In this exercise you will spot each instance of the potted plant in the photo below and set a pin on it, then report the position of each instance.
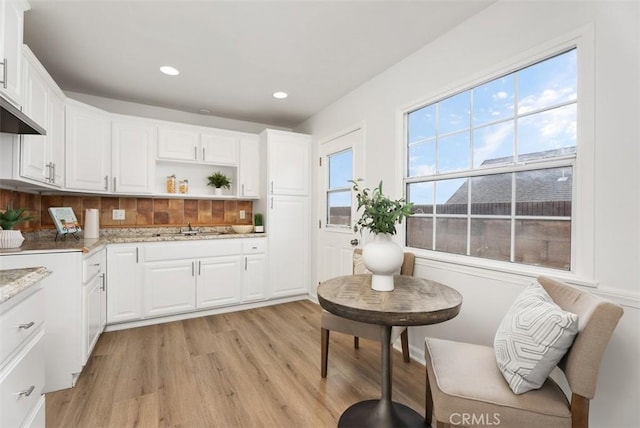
(219, 181)
(380, 215)
(257, 222)
(10, 238)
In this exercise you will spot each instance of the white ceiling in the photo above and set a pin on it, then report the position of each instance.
(232, 55)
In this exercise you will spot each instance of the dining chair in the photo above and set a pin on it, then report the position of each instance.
(330, 322)
(465, 381)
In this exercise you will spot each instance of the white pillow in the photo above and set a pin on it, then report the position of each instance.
(533, 337)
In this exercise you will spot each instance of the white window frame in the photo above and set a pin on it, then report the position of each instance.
(582, 222)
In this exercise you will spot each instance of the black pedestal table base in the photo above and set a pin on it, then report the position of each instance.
(376, 413)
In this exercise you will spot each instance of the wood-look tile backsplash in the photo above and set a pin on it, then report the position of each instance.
(139, 212)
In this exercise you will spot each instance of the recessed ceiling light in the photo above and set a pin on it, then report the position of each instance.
(168, 70)
(280, 95)
(204, 111)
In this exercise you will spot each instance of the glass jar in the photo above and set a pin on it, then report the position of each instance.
(171, 183)
(184, 186)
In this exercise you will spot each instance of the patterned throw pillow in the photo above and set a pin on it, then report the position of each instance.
(358, 265)
(533, 337)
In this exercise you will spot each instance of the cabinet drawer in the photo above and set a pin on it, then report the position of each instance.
(252, 246)
(91, 266)
(17, 324)
(21, 386)
(191, 250)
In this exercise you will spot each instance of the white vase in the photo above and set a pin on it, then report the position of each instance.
(383, 258)
(217, 191)
(10, 238)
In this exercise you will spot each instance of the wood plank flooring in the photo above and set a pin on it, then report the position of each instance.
(255, 368)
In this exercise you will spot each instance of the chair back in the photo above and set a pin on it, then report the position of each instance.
(407, 263)
(597, 318)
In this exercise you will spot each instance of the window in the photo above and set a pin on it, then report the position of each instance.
(339, 188)
(490, 169)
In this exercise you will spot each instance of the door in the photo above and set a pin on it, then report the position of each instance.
(219, 149)
(124, 284)
(169, 287)
(91, 299)
(219, 280)
(132, 157)
(341, 160)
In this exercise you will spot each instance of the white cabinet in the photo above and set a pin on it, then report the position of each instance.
(289, 241)
(62, 314)
(218, 281)
(88, 143)
(254, 277)
(288, 219)
(178, 143)
(249, 167)
(190, 143)
(133, 156)
(219, 148)
(42, 156)
(94, 304)
(288, 162)
(124, 283)
(169, 287)
(11, 37)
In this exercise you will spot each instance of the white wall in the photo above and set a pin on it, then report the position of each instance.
(161, 113)
(498, 34)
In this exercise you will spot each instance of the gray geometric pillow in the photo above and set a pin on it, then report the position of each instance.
(532, 338)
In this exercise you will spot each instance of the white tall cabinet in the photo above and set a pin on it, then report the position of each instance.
(288, 219)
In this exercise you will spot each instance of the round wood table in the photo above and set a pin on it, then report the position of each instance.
(414, 301)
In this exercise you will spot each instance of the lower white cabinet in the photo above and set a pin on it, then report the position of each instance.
(124, 283)
(166, 278)
(62, 313)
(94, 301)
(22, 360)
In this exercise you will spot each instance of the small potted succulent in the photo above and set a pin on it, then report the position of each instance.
(219, 181)
(257, 222)
(9, 219)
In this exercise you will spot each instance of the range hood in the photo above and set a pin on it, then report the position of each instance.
(13, 121)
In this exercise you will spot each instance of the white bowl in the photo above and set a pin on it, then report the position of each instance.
(242, 228)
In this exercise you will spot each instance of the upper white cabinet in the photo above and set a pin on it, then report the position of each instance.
(133, 146)
(88, 143)
(249, 167)
(189, 143)
(11, 36)
(288, 162)
(42, 156)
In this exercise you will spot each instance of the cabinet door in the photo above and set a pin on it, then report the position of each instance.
(254, 284)
(219, 149)
(34, 163)
(288, 226)
(178, 144)
(88, 142)
(249, 167)
(132, 162)
(92, 316)
(11, 36)
(288, 163)
(219, 281)
(55, 134)
(124, 284)
(169, 287)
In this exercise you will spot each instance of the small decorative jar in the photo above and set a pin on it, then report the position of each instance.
(171, 183)
(184, 186)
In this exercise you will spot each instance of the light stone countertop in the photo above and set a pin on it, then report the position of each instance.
(45, 241)
(14, 281)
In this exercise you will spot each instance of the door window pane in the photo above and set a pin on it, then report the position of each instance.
(340, 169)
(338, 196)
(339, 208)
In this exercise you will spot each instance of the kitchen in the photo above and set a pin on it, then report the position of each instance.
(80, 184)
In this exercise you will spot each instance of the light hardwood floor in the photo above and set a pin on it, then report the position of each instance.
(255, 368)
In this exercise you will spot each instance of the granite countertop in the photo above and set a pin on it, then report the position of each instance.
(13, 281)
(44, 241)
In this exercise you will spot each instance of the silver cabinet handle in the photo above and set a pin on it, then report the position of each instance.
(27, 392)
(26, 326)
(106, 182)
(4, 73)
(271, 186)
(199, 267)
(53, 172)
(193, 269)
(48, 166)
(114, 184)
(272, 202)
(103, 277)
(136, 254)
(245, 263)
(242, 192)
(195, 152)
(204, 157)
